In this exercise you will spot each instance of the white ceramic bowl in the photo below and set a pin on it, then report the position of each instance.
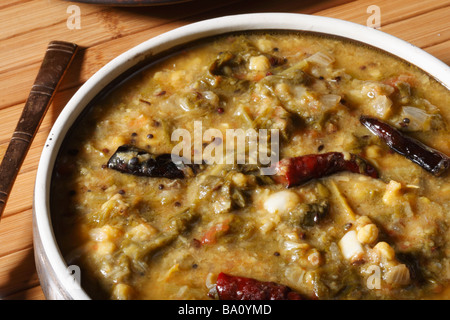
(53, 272)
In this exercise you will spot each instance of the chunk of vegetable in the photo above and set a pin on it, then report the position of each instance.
(385, 250)
(321, 59)
(176, 226)
(281, 202)
(215, 231)
(315, 213)
(368, 234)
(350, 247)
(259, 63)
(393, 192)
(415, 119)
(398, 275)
(382, 106)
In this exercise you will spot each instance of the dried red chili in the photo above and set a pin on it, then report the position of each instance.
(240, 288)
(297, 170)
(428, 158)
(154, 166)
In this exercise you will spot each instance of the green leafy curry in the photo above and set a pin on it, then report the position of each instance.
(346, 214)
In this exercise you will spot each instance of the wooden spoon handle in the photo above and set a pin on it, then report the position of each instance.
(56, 61)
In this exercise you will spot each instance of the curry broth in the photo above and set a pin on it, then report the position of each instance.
(138, 237)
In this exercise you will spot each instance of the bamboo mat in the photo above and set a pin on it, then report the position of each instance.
(27, 26)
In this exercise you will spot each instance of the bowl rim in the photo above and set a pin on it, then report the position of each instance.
(42, 226)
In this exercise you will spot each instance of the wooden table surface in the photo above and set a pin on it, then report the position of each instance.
(27, 26)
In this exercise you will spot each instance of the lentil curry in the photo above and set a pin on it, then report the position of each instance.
(350, 213)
